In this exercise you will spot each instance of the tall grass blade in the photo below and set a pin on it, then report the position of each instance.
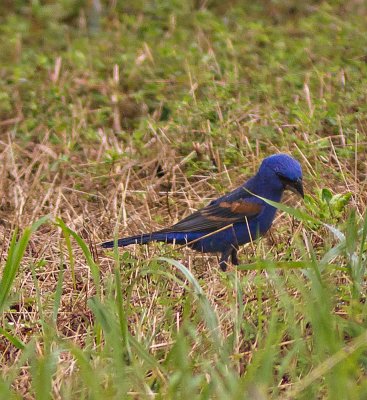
(43, 369)
(208, 313)
(58, 293)
(15, 256)
(87, 254)
(12, 339)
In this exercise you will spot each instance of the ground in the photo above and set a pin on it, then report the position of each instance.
(118, 118)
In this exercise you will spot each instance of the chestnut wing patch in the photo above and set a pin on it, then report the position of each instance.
(217, 216)
(242, 207)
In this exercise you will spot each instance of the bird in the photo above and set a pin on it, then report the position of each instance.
(234, 219)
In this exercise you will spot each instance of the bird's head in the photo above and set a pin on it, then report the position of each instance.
(285, 170)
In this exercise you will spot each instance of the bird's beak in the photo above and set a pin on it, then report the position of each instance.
(296, 187)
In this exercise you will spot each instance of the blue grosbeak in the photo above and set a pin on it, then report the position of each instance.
(235, 218)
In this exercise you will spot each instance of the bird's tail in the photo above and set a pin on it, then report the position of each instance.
(146, 238)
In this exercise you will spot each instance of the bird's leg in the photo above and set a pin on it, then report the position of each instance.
(234, 256)
(234, 249)
(223, 262)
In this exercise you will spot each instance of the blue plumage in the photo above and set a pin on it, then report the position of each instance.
(235, 218)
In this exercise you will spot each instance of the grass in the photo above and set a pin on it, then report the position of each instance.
(124, 120)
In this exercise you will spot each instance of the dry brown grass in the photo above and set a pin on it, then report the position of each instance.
(131, 130)
(127, 198)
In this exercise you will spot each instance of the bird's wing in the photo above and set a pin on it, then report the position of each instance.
(216, 216)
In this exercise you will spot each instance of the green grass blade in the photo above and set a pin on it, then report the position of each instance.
(58, 293)
(88, 374)
(268, 264)
(124, 331)
(12, 339)
(327, 365)
(99, 312)
(6, 392)
(70, 254)
(43, 369)
(9, 272)
(87, 254)
(294, 212)
(208, 313)
(15, 255)
(187, 274)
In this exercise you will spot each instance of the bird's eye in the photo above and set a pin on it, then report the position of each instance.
(285, 180)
